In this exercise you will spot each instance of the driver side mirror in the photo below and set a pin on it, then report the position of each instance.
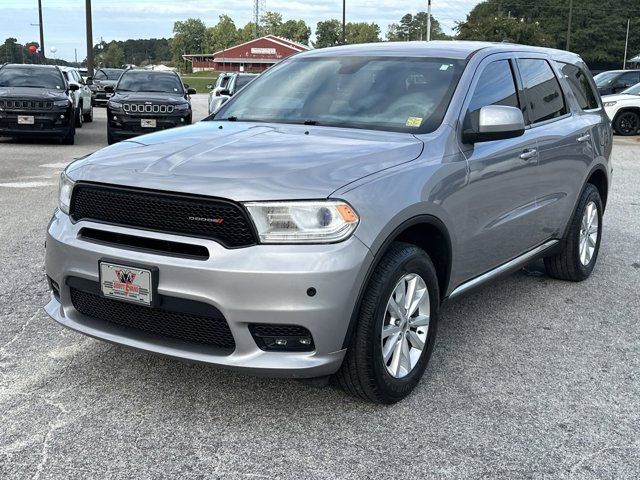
(109, 88)
(494, 122)
(191, 91)
(89, 81)
(74, 87)
(225, 92)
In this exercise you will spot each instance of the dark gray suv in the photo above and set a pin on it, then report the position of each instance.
(315, 224)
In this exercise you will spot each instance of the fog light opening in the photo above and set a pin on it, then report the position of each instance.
(282, 338)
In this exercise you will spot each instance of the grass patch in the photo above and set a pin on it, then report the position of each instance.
(199, 80)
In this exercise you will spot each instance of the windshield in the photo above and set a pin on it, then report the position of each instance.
(605, 78)
(31, 77)
(380, 93)
(150, 82)
(635, 90)
(108, 74)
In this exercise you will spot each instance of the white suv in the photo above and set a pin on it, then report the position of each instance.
(624, 110)
(81, 97)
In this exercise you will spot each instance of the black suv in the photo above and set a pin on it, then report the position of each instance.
(35, 101)
(104, 77)
(615, 81)
(145, 101)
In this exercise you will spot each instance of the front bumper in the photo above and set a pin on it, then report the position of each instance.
(260, 284)
(50, 123)
(100, 97)
(122, 125)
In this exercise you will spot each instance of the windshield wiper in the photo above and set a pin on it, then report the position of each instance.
(310, 122)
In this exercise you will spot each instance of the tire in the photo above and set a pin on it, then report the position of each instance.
(79, 116)
(627, 123)
(69, 138)
(111, 139)
(88, 117)
(569, 263)
(364, 372)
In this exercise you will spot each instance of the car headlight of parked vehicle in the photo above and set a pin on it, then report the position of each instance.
(609, 104)
(115, 105)
(182, 107)
(324, 221)
(64, 192)
(62, 103)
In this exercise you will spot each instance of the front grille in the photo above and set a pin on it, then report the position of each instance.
(26, 104)
(146, 108)
(215, 219)
(211, 330)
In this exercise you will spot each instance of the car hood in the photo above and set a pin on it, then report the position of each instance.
(148, 97)
(621, 98)
(105, 82)
(248, 161)
(31, 92)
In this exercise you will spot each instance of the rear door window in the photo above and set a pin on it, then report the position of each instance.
(544, 98)
(580, 85)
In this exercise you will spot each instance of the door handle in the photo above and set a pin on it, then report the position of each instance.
(585, 138)
(528, 154)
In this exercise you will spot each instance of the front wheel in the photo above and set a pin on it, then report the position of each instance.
(627, 124)
(396, 328)
(78, 120)
(111, 139)
(88, 117)
(579, 249)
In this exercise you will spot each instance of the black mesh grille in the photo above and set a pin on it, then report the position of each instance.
(26, 104)
(193, 328)
(218, 220)
(264, 330)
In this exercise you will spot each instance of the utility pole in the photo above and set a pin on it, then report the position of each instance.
(626, 45)
(89, 39)
(344, 22)
(42, 56)
(569, 26)
(428, 20)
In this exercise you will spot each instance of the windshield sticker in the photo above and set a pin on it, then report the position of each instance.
(444, 67)
(414, 122)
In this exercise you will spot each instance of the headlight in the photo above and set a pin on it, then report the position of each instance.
(609, 104)
(323, 221)
(62, 103)
(115, 105)
(182, 106)
(64, 192)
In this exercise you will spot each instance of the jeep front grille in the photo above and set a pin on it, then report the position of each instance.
(146, 108)
(26, 104)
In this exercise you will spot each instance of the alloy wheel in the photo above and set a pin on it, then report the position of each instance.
(405, 326)
(629, 123)
(589, 231)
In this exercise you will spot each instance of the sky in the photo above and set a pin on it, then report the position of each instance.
(64, 20)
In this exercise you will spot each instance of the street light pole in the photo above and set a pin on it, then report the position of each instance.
(42, 56)
(428, 20)
(344, 22)
(626, 45)
(90, 65)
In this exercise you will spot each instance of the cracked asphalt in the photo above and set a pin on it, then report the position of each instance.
(530, 377)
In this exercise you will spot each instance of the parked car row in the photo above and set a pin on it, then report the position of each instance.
(51, 101)
(620, 90)
(226, 86)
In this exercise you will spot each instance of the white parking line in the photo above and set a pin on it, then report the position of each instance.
(27, 184)
(55, 165)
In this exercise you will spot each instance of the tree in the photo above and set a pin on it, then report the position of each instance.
(296, 30)
(414, 27)
(222, 35)
(112, 56)
(328, 33)
(270, 23)
(189, 37)
(362, 32)
(245, 33)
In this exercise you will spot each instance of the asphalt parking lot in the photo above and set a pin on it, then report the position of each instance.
(530, 377)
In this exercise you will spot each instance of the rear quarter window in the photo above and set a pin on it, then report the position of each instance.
(580, 85)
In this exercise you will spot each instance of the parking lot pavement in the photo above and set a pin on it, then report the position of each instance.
(530, 377)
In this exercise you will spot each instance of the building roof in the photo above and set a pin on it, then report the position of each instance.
(276, 41)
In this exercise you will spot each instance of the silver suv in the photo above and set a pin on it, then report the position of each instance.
(315, 224)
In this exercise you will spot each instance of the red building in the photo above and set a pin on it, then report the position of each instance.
(254, 56)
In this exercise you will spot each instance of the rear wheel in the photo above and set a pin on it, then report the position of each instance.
(69, 138)
(396, 328)
(88, 117)
(627, 124)
(579, 249)
(79, 116)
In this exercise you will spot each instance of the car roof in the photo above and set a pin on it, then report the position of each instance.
(453, 49)
(30, 65)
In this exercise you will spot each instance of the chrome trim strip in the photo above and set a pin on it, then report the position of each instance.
(522, 259)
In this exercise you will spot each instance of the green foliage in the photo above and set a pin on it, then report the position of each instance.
(362, 32)
(413, 27)
(270, 23)
(598, 27)
(112, 56)
(328, 33)
(296, 30)
(222, 35)
(190, 36)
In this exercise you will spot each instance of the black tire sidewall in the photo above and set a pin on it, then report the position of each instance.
(589, 195)
(415, 261)
(619, 119)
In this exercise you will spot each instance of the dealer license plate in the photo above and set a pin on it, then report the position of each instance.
(148, 123)
(130, 284)
(26, 120)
